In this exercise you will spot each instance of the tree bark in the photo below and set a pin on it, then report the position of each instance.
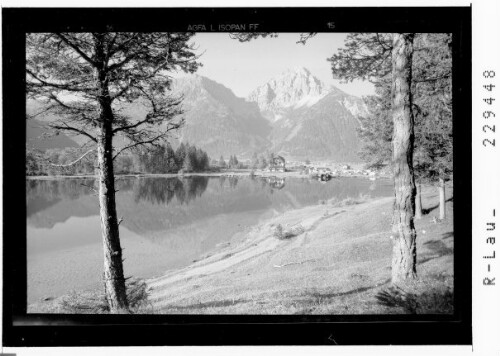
(114, 281)
(418, 202)
(442, 199)
(404, 253)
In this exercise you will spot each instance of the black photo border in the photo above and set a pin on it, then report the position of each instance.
(21, 329)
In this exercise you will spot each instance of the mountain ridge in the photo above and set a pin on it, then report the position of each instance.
(309, 118)
(293, 114)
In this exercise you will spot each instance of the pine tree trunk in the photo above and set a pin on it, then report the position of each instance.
(418, 202)
(442, 199)
(404, 253)
(114, 280)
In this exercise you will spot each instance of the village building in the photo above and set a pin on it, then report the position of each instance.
(277, 164)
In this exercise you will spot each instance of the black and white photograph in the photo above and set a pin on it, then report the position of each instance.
(236, 173)
(234, 169)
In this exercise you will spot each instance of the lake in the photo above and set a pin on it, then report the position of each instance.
(167, 222)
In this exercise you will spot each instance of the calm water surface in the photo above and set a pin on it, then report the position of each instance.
(167, 222)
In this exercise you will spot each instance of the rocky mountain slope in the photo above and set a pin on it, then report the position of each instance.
(309, 119)
(36, 137)
(218, 121)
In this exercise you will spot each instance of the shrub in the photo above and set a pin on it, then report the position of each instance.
(350, 201)
(282, 234)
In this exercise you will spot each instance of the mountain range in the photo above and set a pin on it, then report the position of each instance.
(294, 115)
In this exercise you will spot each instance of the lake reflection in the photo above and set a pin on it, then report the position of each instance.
(167, 222)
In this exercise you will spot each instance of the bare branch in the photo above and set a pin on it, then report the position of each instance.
(141, 143)
(72, 163)
(74, 129)
(304, 37)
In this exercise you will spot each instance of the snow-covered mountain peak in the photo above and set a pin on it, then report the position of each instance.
(293, 88)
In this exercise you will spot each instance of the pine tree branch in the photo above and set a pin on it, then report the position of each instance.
(66, 127)
(382, 44)
(122, 91)
(77, 49)
(44, 83)
(304, 37)
(129, 127)
(122, 63)
(122, 46)
(110, 46)
(74, 162)
(140, 143)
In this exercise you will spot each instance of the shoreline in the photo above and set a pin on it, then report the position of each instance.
(235, 173)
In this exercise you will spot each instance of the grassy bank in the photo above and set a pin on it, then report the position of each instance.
(333, 258)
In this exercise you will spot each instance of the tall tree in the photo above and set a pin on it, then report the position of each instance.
(388, 57)
(404, 254)
(399, 121)
(433, 93)
(180, 154)
(85, 80)
(375, 130)
(432, 107)
(255, 160)
(203, 162)
(190, 163)
(222, 163)
(170, 161)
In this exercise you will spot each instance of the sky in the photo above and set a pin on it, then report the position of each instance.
(242, 67)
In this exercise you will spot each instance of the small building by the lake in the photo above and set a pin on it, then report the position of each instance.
(277, 164)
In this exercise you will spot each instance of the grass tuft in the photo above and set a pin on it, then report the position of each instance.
(94, 302)
(436, 300)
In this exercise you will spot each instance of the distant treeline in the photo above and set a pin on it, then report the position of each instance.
(161, 159)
